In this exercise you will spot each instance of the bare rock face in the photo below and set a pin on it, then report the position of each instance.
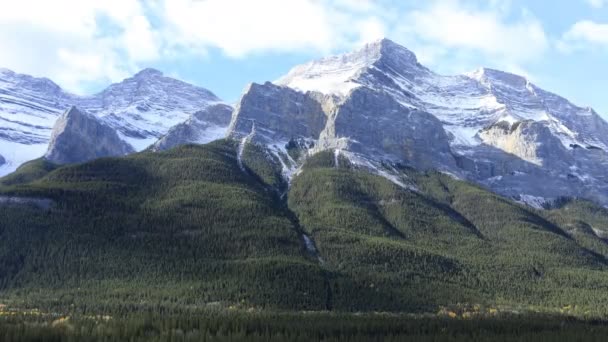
(529, 140)
(79, 137)
(503, 131)
(367, 123)
(374, 124)
(279, 114)
(202, 127)
(2, 160)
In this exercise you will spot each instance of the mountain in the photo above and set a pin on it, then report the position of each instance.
(202, 127)
(211, 227)
(491, 127)
(356, 197)
(78, 136)
(141, 109)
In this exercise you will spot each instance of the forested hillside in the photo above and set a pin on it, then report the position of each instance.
(188, 229)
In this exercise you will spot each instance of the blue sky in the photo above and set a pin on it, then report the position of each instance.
(561, 45)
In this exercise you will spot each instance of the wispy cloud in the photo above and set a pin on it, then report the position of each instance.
(584, 35)
(67, 39)
(77, 42)
(597, 3)
(467, 31)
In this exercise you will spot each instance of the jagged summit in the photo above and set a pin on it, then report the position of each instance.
(140, 108)
(27, 81)
(485, 73)
(148, 72)
(490, 126)
(340, 73)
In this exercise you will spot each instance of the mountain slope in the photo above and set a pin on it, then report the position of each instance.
(187, 220)
(141, 109)
(190, 227)
(504, 132)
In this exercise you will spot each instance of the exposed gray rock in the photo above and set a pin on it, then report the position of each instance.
(503, 131)
(2, 160)
(279, 113)
(141, 109)
(202, 127)
(78, 137)
(529, 140)
(369, 125)
(374, 124)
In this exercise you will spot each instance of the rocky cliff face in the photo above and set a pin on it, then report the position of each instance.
(202, 127)
(78, 137)
(141, 109)
(279, 113)
(374, 124)
(488, 126)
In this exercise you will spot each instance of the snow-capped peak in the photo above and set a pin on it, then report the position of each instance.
(148, 72)
(489, 76)
(140, 108)
(338, 74)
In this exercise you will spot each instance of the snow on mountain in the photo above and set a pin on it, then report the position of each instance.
(141, 108)
(202, 127)
(464, 103)
(504, 131)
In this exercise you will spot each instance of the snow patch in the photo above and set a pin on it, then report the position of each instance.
(337, 158)
(311, 248)
(279, 151)
(377, 168)
(532, 201)
(15, 154)
(241, 149)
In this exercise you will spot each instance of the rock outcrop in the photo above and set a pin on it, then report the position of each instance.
(279, 113)
(78, 137)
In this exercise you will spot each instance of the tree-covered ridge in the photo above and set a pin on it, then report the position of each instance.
(185, 225)
(187, 228)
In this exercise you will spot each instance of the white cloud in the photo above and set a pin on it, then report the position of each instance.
(452, 25)
(256, 25)
(584, 34)
(76, 42)
(270, 25)
(597, 3)
(66, 39)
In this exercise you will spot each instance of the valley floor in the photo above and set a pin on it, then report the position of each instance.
(239, 325)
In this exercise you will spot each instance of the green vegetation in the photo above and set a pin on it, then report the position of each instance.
(449, 242)
(183, 227)
(186, 230)
(29, 172)
(236, 326)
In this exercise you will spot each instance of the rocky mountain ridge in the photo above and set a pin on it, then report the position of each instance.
(141, 109)
(378, 107)
(491, 127)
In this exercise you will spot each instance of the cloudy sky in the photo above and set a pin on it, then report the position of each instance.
(561, 45)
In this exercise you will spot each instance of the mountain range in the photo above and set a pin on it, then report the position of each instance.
(140, 109)
(377, 106)
(356, 183)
